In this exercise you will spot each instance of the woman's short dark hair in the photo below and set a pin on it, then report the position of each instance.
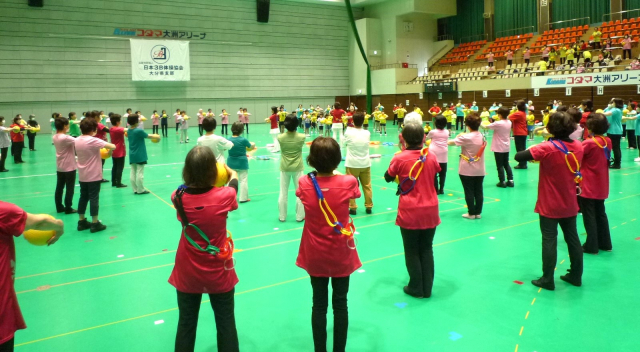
(561, 125)
(575, 114)
(324, 155)
(60, 122)
(503, 112)
(200, 170)
(358, 119)
(209, 124)
(619, 103)
(291, 122)
(413, 134)
(337, 105)
(562, 108)
(87, 126)
(115, 119)
(440, 122)
(274, 109)
(521, 105)
(473, 121)
(16, 119)
(1, 118)
(237, 128)
(133, 119)
(597, 124)
(588, 105)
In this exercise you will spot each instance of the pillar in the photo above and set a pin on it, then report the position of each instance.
(490, 10)
(616, 6)
(544, 15)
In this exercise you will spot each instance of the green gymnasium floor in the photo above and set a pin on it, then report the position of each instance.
(109, 292)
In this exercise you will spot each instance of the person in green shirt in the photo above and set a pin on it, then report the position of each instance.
(291, 165)
(597, 35)
(238, 160)
(74, 125)
(138, 153)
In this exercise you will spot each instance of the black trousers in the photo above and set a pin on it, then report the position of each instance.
(526, 61)
(442, 175)
(116, 171)
(631, 138)
(89, 193)
(549, 229)
(459, 122)
(247, 126)
(3, 157)
(7, 346)
(418, 256)
(200, 129)
(177, 125)
(395, 117)
(225, 129)
(223, 310)
(155, 129)
(473, 193)
(626, 52)
(615, 148)
(32, 140)
(502, 162)
(509, 62)
(596, 45)
(320, 286)
(16, 151)
(65, 180)
(596, 222)
(521, 144)
(164, 128)
(490, 64)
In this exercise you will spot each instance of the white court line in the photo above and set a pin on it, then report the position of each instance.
(146, 166)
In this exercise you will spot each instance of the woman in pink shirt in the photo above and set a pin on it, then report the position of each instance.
(65, 166)
(439, 147)
(328, 253)
(200, 119)
(527, 55)
(545, 54)
(500, 146)
(417, 208)
(490, 59)
(471, 167)
(224, 120)
(245, 117)
(509, 57)
(626, 47)
(155, 119)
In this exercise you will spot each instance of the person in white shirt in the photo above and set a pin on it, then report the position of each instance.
(176, 116)
(358, 163)
(217, 144)
(5, 143)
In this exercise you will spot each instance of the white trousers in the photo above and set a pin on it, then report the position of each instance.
(338, 128)
(183, 135)
(243, 180)
(274, 134)
(137, 178)
(285, 180)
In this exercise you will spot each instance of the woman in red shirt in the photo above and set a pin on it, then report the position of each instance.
(520, 132)
(417, 209)
(587, 109)
(337, 126)
(557, 202)
(595, 187)
(328, 252)
(17, 139)
(204, 262)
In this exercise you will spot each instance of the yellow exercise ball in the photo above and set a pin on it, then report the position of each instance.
(155, 140)
(223, 176)
(104, 153)
(37, 237)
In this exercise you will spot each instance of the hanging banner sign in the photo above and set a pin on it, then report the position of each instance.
(586, 80)
(160, 60)
(158, 33)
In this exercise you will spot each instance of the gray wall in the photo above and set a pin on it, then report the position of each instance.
(64, 57)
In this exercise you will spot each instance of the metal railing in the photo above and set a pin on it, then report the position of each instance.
(436, 58)
(472, 38)
(624, 13)
(516, 31)
(444, 37)
(581, 20)
(396, 65)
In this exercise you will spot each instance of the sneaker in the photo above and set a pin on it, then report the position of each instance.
(636, 160)
(282, 220)
(300, 220)
(145, 192)
(70, 211)
(570, 279)
(467, 216)
(520, 167)
(104, 181)
(501, 184)
(5, 170)
(615, 167)
(544, 283)
(353, 212)
(441, 191)
(97, 227)
(510, 184)
(244, 201)
(632, 148)
(410, 293)
(83, 225)
(368, 210)
(121, 186)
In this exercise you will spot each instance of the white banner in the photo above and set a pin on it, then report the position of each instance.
(160, 60)
(587, 80)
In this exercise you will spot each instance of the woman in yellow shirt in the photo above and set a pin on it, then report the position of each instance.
(597, 37)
